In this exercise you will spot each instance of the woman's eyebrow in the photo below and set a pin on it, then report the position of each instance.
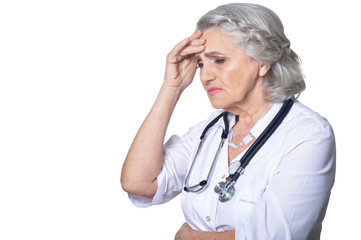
(213, 53)
(209, 54)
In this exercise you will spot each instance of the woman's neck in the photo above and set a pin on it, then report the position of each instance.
(249, 114)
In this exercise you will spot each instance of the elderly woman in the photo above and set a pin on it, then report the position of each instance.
(251, 76)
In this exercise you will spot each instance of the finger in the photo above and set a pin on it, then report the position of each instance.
(197, 42)
(188, 46)
(196, 35)
(190, 50)
(179, 54)
(186, 53)
(179, 47)
(192, 40)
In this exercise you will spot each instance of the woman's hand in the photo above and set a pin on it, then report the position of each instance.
(181, 65)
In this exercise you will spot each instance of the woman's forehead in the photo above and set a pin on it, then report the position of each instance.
(218, 42)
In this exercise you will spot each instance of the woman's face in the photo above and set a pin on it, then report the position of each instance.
(232, 80)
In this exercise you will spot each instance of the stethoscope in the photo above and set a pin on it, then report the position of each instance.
(225, 189)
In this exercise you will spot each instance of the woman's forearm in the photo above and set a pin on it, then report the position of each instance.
(186, 233)
(145, 157)
(200, 235)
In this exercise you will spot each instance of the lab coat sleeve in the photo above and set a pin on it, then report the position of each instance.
(177, 154)
(294, 202)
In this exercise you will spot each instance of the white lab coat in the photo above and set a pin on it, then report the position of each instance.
(283, 193)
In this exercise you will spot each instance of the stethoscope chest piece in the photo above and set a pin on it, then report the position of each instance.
(225, 190)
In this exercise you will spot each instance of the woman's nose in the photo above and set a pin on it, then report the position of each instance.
(206, 74)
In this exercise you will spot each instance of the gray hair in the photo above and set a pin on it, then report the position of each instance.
(260, 34)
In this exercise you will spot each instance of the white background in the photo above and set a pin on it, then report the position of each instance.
(78, 77)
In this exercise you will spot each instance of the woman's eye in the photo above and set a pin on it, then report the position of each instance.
(220, 60)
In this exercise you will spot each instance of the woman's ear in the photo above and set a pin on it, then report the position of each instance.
(264, 69)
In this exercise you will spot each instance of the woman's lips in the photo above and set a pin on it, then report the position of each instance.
(213, 91)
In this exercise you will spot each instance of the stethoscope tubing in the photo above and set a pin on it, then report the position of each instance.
(224, 135)
(261, 140)
(247, 157)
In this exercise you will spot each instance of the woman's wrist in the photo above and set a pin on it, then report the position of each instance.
(174, 91)
(168, 96)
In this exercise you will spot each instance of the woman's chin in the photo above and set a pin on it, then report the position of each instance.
(217, 105)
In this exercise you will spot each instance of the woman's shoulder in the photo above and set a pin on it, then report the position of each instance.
(305, 113)
(303, 119)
